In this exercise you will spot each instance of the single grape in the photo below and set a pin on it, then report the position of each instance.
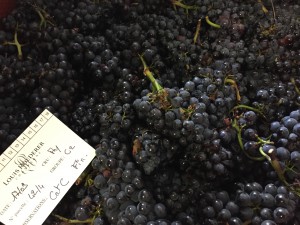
(81, 213)
(99, 221)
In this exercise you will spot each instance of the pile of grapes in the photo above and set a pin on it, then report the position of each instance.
(193, 106)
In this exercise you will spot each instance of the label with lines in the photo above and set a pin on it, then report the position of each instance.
(38, 169)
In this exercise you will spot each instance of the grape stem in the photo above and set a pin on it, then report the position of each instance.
(275, 164)
(294, 83)
(291, 169)
(85, 175)
(278, 168)
(273, 8)
(187, 113)
(16, 43)
(209, 22)
(182, 5)
(44, 16)
(159, 94)
(264, 9)
(95, 214)
(156, 86)
(235, 86)
(240, 141)
(197, 31)
(247, 107)
(71, 221)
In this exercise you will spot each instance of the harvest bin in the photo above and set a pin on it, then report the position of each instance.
(192, 108)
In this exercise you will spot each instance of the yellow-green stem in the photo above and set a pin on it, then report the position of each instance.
(182, 5)
(294, 83)
(17, 44)
(211, 23)
(263, 8)
(44, 17)
(70, 221)
(197, 31)
(240, 141)
(235, 86)
(241, 106)
(276, 166)
(239, 133)
(156, 86)
(43, 21)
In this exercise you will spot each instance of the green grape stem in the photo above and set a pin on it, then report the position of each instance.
(44, 17)
(197, 31)
(279, 171)
(294, 83)
(275, 164)
(71, 221)
(17, 44)
(249, 108)
(211, 23)
(156, 86)
(235, 86)
(240, 141)
(182, 5)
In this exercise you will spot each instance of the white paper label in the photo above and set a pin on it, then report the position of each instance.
(38, 169)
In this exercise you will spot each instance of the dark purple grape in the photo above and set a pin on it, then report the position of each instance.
(289, 123)
(99, 221)
(217, 205)
(282, 154)
(274, 127)
(144, 208)
(271, 188)
(223, 196)
(81, 213)
(233, 208)
(113, 189)
(246, 213)
(268, 200)
(235, 221)
(99, 181)
(140, 219)
(224, 215)
(255, 197)
(131, 212)
(266, 213)
(112, 204)
(127, 176)
(121, 197)
(296, 129)
(209, 212)
(256, 220)
(160, 210)
(124, 221)
(145, 195)
(281, 215)
(268, 222)
(243, 199)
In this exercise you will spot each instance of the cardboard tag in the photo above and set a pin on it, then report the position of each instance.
(38, 169)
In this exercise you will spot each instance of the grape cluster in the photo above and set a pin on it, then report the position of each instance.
(14, 119)
(251, 202)
(20, 81)
(192, 106)
(119, 186)
(150, 150)
(112, 118)
(285, 136)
